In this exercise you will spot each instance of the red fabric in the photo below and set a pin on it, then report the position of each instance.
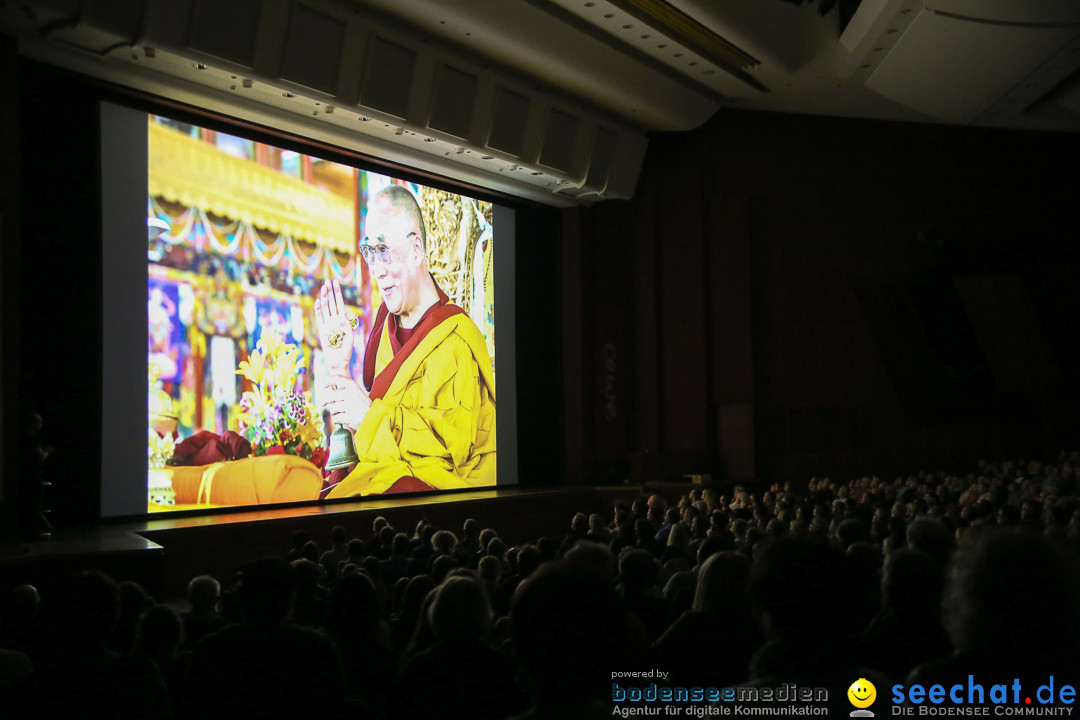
(377, 386)
(205, 447)
(408, 484)
(399, 336)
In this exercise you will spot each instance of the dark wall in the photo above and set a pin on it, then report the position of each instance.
(10, 192)
(538, 253)
(59, 330)
(798, 296)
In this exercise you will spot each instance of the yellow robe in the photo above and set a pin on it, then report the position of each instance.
(436, 421)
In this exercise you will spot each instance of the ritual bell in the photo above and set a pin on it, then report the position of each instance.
(342, 452)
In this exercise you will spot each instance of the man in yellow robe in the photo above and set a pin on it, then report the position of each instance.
(424, 417)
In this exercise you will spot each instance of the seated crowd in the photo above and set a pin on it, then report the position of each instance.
(933, 578)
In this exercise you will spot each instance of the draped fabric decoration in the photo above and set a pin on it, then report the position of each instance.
(194, 173)
(195, 228)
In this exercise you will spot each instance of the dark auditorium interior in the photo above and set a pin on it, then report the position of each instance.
(792, 364)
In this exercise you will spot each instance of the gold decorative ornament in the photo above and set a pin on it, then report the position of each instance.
(335, 337)
(353, 319)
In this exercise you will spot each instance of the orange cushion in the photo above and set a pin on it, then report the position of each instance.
(251, 481)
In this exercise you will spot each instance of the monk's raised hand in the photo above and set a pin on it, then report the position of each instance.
(335, 325)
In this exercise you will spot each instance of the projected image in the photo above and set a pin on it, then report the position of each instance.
(313, 330)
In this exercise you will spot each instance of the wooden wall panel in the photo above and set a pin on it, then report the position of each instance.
(574, 355)
(766, 361)
(681, 293)
(641, 297)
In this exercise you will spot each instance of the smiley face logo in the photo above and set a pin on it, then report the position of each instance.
(862, 693)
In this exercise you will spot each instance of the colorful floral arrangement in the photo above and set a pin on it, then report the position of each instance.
(275, 416)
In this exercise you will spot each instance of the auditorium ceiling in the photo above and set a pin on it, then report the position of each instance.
(670, 64)
(555, 100)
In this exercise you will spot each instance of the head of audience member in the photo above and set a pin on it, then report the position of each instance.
(399, 546)
(306, 576)
(357, 551)
(353, 610)
(441, 567)
(638, 570)
(496, 548)
(932, 537)
(415, 592)
(800, 586)
(528, 559)
(204, 592)
(489, 571)
(386, 537)
(597, 524)
(548, 547)
(723, 583)
(678, 537)
(1013, 592)
(460, 612)
(311, 551)
(133, 599)
(338, 536)
(912, 581)
(568, 631)
(644, 531)
(850, 531)
(753, 538)
(579, 524)
(776, 528)
(485, 536)
(443, 541)
(470, 529)
(266, 592)
(299, 538)
(160, 633)
(598, 558)
(370, 565)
